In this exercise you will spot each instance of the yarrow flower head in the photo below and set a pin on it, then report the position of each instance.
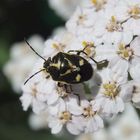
(90, 70)
(23, 60)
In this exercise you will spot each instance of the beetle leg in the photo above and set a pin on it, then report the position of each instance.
(82, 51)
(100, 64)
(61, 90)
(67, 88)
(48, 76)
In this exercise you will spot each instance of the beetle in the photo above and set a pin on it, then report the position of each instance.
(67, 68)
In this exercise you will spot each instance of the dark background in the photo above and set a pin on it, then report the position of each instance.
(19, 19)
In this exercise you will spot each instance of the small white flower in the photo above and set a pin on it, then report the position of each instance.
(61, 115)
(82, 21)
(111, 30)
(109, 98)
(133, 11)
(29, 98)
(122, 57)
(91, 117)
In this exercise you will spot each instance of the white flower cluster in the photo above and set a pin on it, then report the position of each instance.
(126, 126)
(21, 61)
(105, 30)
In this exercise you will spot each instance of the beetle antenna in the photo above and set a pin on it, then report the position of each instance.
(33, 75)
(34, 50)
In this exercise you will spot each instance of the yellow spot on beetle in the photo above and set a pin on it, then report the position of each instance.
(57, 65)
(67, 72)
(81, 62)
(78, 77)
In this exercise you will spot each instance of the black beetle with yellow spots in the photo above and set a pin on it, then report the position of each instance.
(67, 68)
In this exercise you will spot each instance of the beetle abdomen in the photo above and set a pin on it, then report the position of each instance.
(70, 68)
(75, 77)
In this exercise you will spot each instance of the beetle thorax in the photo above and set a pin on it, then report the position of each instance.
(47, 63)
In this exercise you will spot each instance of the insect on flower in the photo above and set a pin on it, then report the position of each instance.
(67, 68)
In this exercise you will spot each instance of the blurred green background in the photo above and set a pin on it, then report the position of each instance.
(19, 19)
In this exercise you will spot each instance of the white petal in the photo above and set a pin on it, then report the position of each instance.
(49, 49)
(56, 129)
(135, 69)
(38, 106)
(46, 86)
(98, 103)
(72, 129)
(136, 27)
(112, 37)
(73, 107)
(57, 107)
(127, 37)
(93, 124)
(84, 103)
(119, 65)
(52, 98)
(55, 124)
(109, 106)
(126, 92)
(106, 51)
(119, 105)
(135, 45)
(26, 100)
(99, 120)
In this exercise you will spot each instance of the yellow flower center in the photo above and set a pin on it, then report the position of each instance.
(134, 12)
(89, 48)
(88, 112)
(58, 47)
(113, 25)
(110, 89)
(65, 116)
(125, 52)
(98, 4)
